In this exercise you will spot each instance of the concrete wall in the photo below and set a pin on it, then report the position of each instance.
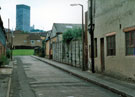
(114, 16)
(68, 53)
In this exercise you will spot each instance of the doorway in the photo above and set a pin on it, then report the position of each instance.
(102, 54)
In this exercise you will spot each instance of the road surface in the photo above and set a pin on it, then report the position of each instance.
(33, 78)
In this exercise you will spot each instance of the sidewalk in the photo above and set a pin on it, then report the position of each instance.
(5, 79)
(120, 87)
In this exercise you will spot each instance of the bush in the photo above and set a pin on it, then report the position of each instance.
(42, 52)
(39, 52)
(3, 60)
(8, 53)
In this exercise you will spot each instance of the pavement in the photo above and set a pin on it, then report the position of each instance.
(122, 88)
(5, 79)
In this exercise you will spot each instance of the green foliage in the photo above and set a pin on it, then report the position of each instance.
(77, 33)
(3, 60)
(22, 52)
(8, 53)
(39, 52)
(24, 32)
(70, 34)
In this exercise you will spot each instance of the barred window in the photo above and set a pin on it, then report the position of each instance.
(111, 46)
(130, 43)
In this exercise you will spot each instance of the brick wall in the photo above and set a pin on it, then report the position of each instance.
(2, 50)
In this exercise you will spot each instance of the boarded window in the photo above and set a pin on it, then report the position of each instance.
(130, 43)
(111, 46)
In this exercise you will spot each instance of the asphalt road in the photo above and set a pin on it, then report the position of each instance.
(33, 78)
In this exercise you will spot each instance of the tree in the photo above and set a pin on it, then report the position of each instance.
(70, 34)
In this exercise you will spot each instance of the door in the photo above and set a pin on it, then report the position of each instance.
(102, 54)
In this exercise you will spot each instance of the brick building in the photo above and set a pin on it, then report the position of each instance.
(26, 40)
(3, 39)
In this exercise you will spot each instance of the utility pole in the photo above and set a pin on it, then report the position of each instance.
(91, 31)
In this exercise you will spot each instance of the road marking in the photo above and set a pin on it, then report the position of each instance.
(40, 94)
(9, 85)
(70, 96)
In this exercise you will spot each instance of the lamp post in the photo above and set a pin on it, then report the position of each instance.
(12, 45)
(91, 31)
(83, 65)
(11, 37)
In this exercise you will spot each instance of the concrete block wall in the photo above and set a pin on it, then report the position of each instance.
(68, 53)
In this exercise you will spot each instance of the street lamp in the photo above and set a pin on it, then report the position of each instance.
(11, 39)
(12, 36)
(83, 65)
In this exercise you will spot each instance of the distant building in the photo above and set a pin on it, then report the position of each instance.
(36, 31)
(23, 18)
(55, 35)
(32, 27)
(26, 40)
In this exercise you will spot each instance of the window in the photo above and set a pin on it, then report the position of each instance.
(32, 42)
(38, 40)
(111, 46)
(95, 46)
(130, 43)
(69, 27)
(25, 40)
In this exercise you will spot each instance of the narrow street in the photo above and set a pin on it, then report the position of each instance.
(33, 78)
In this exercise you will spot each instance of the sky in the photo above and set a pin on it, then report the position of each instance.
(43, 12)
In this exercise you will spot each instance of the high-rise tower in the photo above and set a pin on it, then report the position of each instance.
(23, 17)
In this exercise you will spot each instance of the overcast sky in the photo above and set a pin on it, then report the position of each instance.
(43, 12)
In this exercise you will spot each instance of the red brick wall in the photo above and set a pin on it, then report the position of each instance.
(2, 50)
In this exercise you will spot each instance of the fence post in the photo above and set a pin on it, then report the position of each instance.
(79, 53)
(75, 53)
(71, 53)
